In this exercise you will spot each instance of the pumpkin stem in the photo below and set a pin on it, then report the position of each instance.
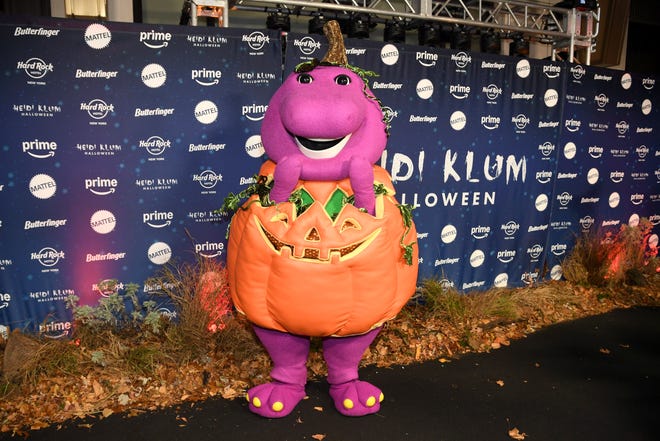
(336, 54)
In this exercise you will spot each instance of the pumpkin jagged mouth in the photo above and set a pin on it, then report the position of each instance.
(321, 148)
(314, 254)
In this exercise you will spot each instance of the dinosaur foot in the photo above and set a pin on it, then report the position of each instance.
(356, 398)
(275, 400)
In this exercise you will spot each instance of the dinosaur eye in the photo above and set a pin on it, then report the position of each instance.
(343, 80)
(305, 78)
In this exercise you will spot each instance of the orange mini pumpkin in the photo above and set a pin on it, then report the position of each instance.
(319, 273)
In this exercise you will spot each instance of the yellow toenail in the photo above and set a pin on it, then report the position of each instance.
(371, 401)
(381, 398)
(256, 402)
(278, 406)
(348, 403)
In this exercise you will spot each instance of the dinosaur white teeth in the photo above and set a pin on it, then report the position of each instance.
(324, 152)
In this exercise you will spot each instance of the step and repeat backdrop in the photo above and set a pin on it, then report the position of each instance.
(119, 141)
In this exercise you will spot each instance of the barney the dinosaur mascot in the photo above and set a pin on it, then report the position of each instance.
(321, 248)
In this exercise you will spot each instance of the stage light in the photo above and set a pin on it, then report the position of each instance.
(278, 22)
(88, 9)
(490, 42)
(590, 5)
(395, 32)
(460, 39)
(431, 34)
(519, 47)
(315, 24)
(358, 27)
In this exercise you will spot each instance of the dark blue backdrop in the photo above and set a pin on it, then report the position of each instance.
(120, 140)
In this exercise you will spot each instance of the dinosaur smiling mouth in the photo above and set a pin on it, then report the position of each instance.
(321, 148)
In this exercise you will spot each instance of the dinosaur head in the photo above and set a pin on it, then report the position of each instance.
(324, 111)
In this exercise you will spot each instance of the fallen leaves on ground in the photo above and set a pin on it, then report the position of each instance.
(413, 336)
(516, 434)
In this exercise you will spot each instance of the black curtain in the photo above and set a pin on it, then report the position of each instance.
(25, 7)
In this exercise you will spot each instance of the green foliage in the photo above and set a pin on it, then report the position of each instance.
(142, 359)
(406, 214)
(98, 357)
(232, 202)
(444, 301)
(464, 310)
(261, 188)
(118, 313)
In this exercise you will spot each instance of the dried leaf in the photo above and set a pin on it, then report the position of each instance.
(318, 408)
(318, 437)
(500, 383)
(123, 399)
(107, 412)
(516, 434)
(98, 389)
(604, 351)
(229, 392)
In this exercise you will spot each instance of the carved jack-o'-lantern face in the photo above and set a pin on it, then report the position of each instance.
(329, 269)
(319, 233)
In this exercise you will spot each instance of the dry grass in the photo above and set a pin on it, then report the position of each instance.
(611, 259)
(199, 293)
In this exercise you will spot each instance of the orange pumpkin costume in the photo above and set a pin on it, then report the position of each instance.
(313, 275)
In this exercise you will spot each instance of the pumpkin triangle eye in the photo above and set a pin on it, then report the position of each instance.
(313, 235)
(348, 224)
(336, 202)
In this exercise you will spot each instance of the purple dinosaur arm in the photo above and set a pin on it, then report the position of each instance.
(361, 174)
(285, 177)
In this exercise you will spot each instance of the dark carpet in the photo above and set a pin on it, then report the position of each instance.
(596, 378)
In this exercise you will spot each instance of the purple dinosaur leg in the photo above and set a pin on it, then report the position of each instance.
(352, 397)
(289, 373)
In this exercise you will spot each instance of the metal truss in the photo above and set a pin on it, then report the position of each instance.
(566, 29)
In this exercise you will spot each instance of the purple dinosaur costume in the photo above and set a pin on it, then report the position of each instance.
(322, 124)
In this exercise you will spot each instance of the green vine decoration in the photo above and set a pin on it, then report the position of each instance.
(232, 201)
(301, 200)
(261, 188)
(406, 214)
